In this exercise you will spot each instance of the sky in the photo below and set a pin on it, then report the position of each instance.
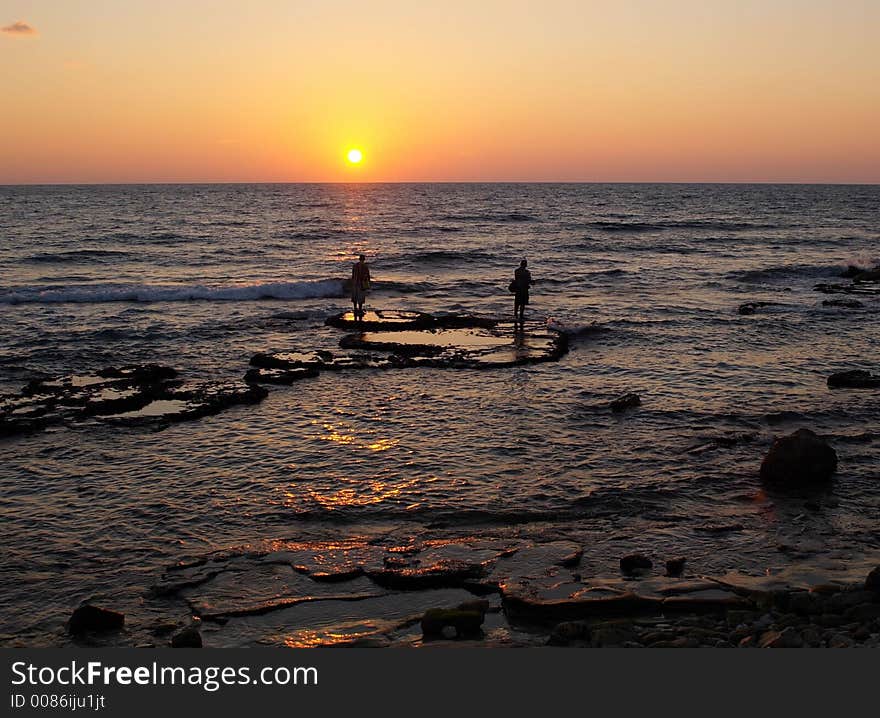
(483, 90)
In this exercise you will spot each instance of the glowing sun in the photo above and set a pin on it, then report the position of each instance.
(355, 156)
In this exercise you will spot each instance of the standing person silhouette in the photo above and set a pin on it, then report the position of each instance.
(360, 283)
(522, 280)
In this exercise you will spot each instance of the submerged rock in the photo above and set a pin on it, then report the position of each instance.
(130, 395)
(624, 402)
(382, 320)
(635, 563)
(93, 618)
(448, 342)
(190, 401)
(843, 303)
(675, 566)
(285, 377)
(751, 307)
(799, 458)
(854, 379)
(500, 345)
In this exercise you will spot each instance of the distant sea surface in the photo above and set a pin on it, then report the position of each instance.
(200, 277)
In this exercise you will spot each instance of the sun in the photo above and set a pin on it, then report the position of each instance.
(355, 156)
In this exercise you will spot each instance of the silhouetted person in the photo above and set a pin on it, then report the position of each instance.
(360, 282)
(522, 280)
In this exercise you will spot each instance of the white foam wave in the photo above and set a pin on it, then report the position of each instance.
(99, 293)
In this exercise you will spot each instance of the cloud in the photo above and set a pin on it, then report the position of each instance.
(20, 28)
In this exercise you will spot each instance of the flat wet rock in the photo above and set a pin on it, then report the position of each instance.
(391, 320)
(472, 347)
(477, 344)
(285, 377)
(399, 590)
(127, 395)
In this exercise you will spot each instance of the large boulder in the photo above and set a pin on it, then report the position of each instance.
(799, 458)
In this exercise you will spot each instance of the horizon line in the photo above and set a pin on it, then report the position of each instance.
(805, 183)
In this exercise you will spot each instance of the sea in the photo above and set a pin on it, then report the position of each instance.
(645, 279)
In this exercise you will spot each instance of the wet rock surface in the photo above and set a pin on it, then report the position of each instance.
(125, 396)
(395, 340)
(797, 459)
(391, 320)
(397, 589)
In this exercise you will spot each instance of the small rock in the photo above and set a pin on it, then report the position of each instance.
(612, 634)
(801, 457)
(187, 638)
(748, 641)
(862, 633)
(449, 632)
(93, 618)
(568, 631)
(465, 620)
(812, 637)
(788, 638)
(635, 563)
(841, 641)
(675, 566)
(624, 402)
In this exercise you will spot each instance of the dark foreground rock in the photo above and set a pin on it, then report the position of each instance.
(131, 395)
(797, 459)
(854, 379)
(187, 638)
(93, 618)
(465, 621)
(507, 591)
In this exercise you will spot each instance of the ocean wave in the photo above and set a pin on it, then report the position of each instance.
(499, 217)
(785, 271)
(442, 256)
(100, 293)
(663, 225)
(78, 255)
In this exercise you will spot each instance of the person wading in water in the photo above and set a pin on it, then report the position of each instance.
(522, 280)
(360, 283)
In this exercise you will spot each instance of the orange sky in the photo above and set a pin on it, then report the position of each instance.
(279, 90)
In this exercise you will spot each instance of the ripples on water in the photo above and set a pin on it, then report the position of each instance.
(201, 277)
